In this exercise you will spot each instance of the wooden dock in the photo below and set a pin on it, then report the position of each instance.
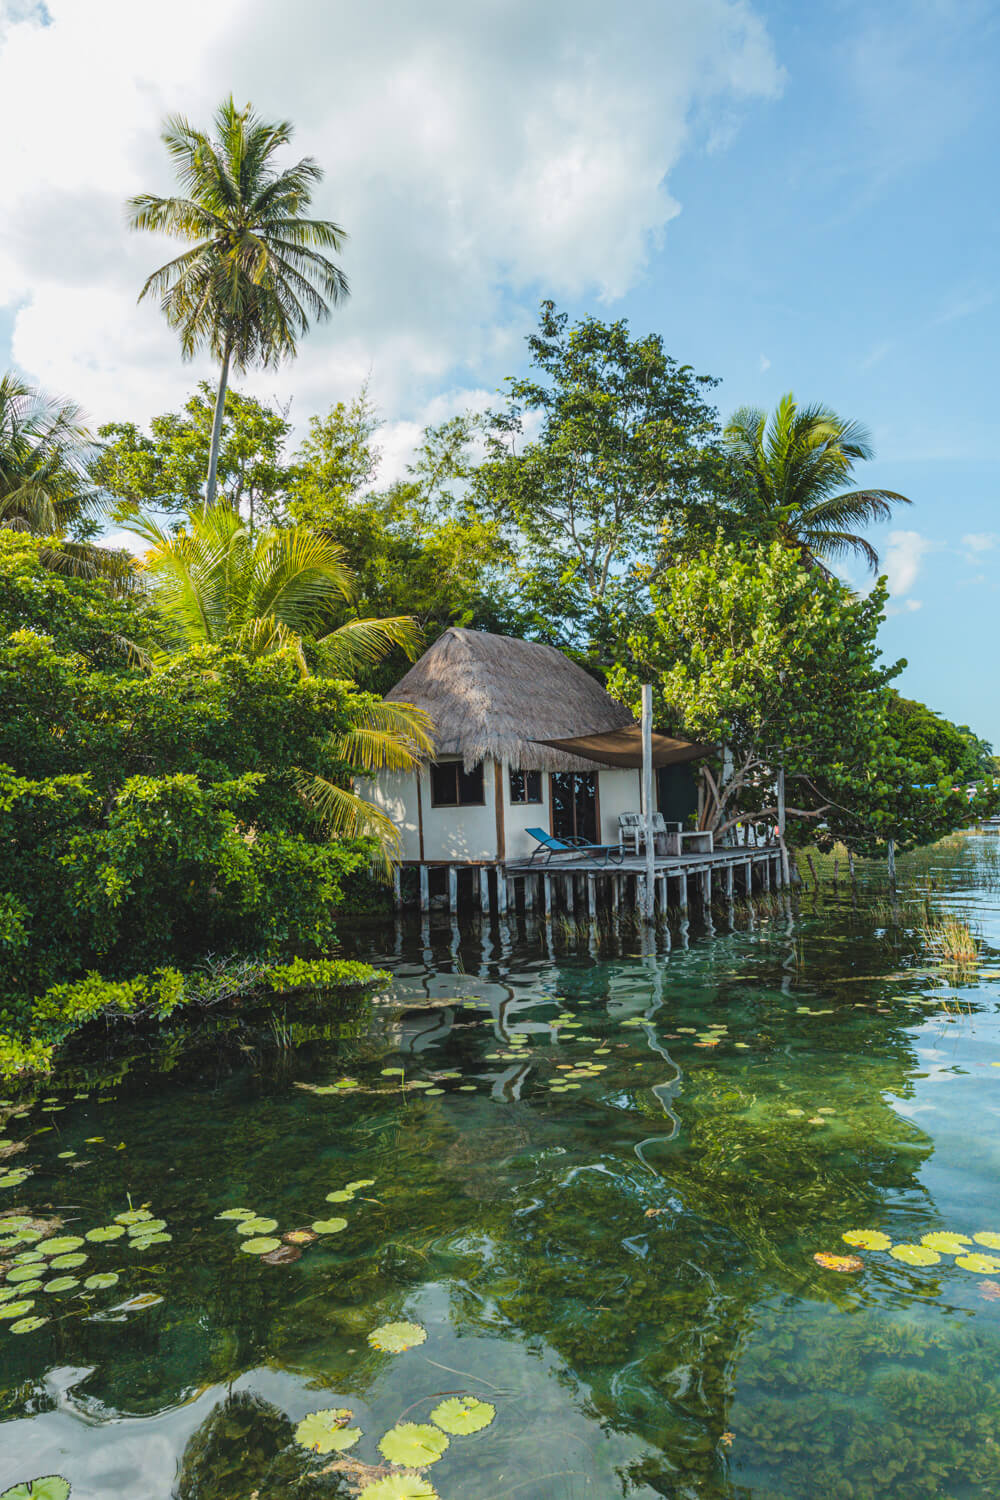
(591, 885)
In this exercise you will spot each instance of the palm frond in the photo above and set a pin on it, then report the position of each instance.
(362, 643)
(345, 814)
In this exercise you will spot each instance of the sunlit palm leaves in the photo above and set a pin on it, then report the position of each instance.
(255, 277)
(793, 467)
(213, 583)
(44, 486)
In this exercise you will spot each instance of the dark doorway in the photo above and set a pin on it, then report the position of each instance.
(574, 805)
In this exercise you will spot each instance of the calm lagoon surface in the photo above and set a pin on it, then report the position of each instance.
(596, 1178)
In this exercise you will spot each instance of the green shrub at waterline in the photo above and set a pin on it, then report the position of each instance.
(66, 1008)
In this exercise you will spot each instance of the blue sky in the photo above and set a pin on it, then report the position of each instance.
(797, 197)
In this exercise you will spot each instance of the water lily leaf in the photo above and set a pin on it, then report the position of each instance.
(143, 1242)
(352, 1187)
(133, 1216)
(28, 1257)
(986, 1264)
(22, 1273)
(945, 1243)
(392, 1072)
(14, 1179)
(27, 1325)
(327, 1431)
(461, 1415)
(420, 1083)
(100, 1280)
(842, 1263)
(329, 1226)
(867, 1239)
(16, 1309)
(413, 1444)
(105, 1232)
(342, 1195)
(61, 1244)
(262, 1246)
(257, 1226)
(236, 1213)
(393, 1338)
(915, 1255)
(397, 1487)
(147, 1226)
(989, 1238)
(68, 1262)
(49, 1487)
(283, 1256)
(62, 1284)
(300, 1236)
(8, 1292)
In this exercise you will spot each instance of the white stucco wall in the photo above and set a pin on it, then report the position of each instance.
(470, 833)
(618, 791)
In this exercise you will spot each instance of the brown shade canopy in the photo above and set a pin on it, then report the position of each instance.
(623, 747)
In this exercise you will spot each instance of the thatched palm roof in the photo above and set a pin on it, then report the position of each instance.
(492, 696)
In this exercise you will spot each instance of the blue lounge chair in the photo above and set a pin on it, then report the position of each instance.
(550, 847)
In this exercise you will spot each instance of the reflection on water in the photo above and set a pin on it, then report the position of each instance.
(599, 1184)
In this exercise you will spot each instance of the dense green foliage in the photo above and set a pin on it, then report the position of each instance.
(152, 816)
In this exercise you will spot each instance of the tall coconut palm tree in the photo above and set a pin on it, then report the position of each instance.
(45, 449)
(213, 581)
(254, 277)
(791, 470)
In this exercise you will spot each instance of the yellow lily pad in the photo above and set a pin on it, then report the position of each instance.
(915, 1255)
(987, 1265)
(946, 1243)
(989, 1238)
(867, 1239)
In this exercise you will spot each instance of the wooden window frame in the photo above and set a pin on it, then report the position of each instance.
(442, 765)
(525, 801)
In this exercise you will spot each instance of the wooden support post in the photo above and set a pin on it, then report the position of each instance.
(785, 873)
(662, 885)
(728, 887)
(425, 888)
(484, 890)
(397, 886)
(530, 892)
(649, 893)
(591, 897)
(501, 892)
(684, 891)
(891, 852)
(706, 888)
(453, 890)
(547, 896)
(616, 895)
(765, 873)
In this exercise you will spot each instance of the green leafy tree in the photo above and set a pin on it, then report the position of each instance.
(607, 440)
(336, 463)
(254, 276)
(790, 472)
(165, 469)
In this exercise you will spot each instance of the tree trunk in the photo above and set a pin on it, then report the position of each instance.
(220, 406)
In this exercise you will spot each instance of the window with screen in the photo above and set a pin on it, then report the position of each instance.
(525, 786)
(451, 786)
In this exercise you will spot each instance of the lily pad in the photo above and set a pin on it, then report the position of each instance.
(989, 1238)
(100, 1280)
(352, 1187)
(413, 1444)
(461, 1415)
(300, 1236)
(342, 1195)
(28, 1325)
(69, 1262)
(327, 1431)
(62, 1284)
(133, 1216)
(261, 1246)
(987, 1265)
(867, 1239)
(257, 1226)
(14, 1179)
(393, 1338)
(915, 1255)
(143, 1242)
(329, 1226)
(146, 1227)
(61, 1244)
(22, 1273)
(945, 1243)
(845, 1264)
(236, 1213)
(105, 1232)
(398, 1487)
(50, 1487)
(16, 1309)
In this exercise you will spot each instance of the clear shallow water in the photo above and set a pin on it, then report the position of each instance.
(607, 1229)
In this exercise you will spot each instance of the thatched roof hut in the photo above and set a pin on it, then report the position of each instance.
(493, 697)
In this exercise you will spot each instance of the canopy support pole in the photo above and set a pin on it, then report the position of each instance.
(649, 889)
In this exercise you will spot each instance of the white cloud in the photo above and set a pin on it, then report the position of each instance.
(480, 156)
(980, 541)
(765, 364)
(903, 559)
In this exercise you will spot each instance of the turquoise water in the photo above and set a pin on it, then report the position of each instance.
(597, 1187)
